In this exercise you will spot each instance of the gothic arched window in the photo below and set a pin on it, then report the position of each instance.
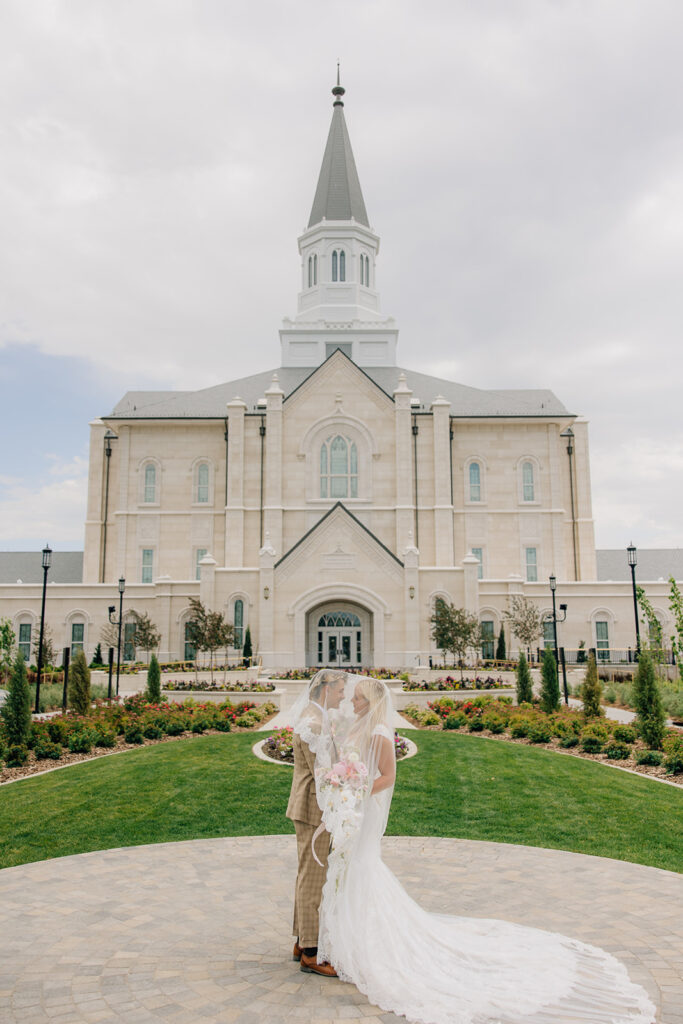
(338, 468)
(342, 265)
(203, 482)
(365, 271)
(335, 265)
(315, 269)
(310, 271)
(238, 623)
(150, 483)
(475, 481)
(528, 489)
(338, 265)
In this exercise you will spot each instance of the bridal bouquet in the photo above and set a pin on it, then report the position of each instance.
(342, 789)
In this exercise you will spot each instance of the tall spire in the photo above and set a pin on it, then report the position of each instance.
(338, 195)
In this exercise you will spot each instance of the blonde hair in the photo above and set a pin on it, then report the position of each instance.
(375, 693)
(322, 679)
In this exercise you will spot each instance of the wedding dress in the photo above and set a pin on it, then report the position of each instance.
(433, 968)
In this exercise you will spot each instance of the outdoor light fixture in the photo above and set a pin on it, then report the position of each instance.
(112, 609)
(47, 562)
(568, 435)
(633, 561)
(266, 592)
(411, 592)
(553, 584)
(563, 610)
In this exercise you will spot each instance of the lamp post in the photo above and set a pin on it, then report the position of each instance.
(568, 435)
(112, 609)
(633, 561)
(563, 610)
(47, 562)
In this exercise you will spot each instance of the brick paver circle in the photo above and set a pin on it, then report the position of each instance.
(199, 931)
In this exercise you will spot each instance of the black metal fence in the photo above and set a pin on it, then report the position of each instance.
(610, 656)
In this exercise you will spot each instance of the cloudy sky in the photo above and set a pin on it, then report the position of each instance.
(521, 161)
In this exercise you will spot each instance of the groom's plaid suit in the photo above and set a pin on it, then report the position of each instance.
(303, 810)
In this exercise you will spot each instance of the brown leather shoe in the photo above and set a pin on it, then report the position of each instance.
(297, 951)
(310, 965)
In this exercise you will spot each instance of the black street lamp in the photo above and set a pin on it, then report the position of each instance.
(633, 561)
(47, 562)
(563, 610)
(112, 609)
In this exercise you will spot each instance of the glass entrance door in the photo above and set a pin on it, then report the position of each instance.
(340, 641)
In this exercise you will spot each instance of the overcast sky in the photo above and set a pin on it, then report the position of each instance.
(522, 163)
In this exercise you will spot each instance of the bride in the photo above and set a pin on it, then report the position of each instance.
(432, 968)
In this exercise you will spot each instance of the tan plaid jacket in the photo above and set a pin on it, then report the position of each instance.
(303, 805)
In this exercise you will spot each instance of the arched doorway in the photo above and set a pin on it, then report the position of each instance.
(339, 635)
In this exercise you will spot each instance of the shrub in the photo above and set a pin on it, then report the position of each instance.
(37, 734)
(673, 748)
(597, 729)
(223, 724)
(524, 685)
(519, 727)
(246, 722)
(550, 687)
(494, 723)
(57, 731)
(45, 750)
(133, 733)
(79, 685)
(153, 681)
(105, 737)
(569, 740)
(610, 695)
(591, 691)
(539, 732)
(16, 711)
(423, 717)
(617, 751)
(199, 725)
(81, 741)
(455, 720)
(649, 757)
(648, 703)
(591, 744)
(476, 723)
(176, 726)
(17, 755)
(152, 731)
(624, 734)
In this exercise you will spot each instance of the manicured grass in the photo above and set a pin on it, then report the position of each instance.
(458, 785)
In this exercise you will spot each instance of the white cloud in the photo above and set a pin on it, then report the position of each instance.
(53, 509)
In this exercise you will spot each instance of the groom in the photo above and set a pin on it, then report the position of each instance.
(327, 691)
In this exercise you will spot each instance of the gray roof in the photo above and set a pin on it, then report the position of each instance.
(27, 566)
(209, 403)
(652, 564)
(338, 195)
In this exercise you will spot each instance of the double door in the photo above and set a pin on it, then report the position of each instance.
(341, 648)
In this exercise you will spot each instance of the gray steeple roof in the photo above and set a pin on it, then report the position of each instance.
(338, 195)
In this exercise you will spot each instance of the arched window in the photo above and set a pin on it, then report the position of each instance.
(238, 623)
(342, 265)
(338, 265)
(365, 271)
(335, 265)
(475, 481)
(310, 271)
(338, 468)
(150, 491)
(315, 269)
(343, 620)
(528, 488)
(203, 482)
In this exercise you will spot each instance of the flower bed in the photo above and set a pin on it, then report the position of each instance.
(599, 739)
(308, 673)
(280, 746)
(177, 685)
(114, 725)
(453, 683)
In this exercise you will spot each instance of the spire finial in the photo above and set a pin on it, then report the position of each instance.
(338, 91)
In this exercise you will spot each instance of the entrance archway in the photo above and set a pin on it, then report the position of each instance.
(339, 635)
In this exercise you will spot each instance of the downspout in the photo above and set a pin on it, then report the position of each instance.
(225, 435)
(108, 437)
(262, 432)
(417, 525)
(450, 450)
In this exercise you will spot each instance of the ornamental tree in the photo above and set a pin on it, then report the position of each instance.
(154, 681)
(525, 620)
(455, 630)
(78, 693)
(7, 639)
(591, 690)
(16, 711)
(550, 687)
(524, 682)
(646, 697)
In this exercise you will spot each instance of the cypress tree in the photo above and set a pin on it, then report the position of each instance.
(646, 697)
(97, 656)
(591, 691)
(500, 649)
(79, 684)
(524, 684)
(247, 649)
(154, 681)
(16, 711)
(550, 687)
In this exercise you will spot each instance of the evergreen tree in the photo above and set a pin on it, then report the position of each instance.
(550, 687)
(16, 711)
(646, 697)
(154, 681)
(500, 649)
(524, 684)
(79, 684)
(247, 649)
(97, 656)
(591, 690)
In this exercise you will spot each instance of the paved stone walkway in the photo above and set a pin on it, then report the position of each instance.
(199, 931)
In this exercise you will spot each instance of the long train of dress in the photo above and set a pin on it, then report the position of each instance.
(439, 969)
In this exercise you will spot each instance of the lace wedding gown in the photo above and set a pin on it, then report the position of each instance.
(440, 969)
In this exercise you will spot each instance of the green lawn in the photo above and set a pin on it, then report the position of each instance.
(458, 785)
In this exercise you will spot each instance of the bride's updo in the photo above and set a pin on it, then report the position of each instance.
(376, 694)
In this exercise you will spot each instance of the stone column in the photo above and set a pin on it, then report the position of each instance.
(411, 603)
(443, 509)
(162, 617)
(266, 638)
(272, 512)
(207, 581)
(405, 509)
(234, 513)
(94, 524)
(470, 566)
(131, 571)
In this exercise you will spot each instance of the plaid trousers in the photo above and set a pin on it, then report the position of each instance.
(309, 883)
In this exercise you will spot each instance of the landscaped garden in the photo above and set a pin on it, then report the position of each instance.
(453, 683)
(279, 746)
